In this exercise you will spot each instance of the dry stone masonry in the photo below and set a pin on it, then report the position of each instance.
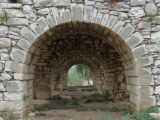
(41, 39)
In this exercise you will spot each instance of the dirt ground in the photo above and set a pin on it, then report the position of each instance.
(72, 114)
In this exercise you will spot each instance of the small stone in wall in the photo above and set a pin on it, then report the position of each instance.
(136, 12)
(137, 2)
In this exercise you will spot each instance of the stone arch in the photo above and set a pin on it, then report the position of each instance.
(122, 36)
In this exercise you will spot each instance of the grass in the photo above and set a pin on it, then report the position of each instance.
(151, 17)
(143, 115)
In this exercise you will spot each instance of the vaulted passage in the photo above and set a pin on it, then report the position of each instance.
(72, 43)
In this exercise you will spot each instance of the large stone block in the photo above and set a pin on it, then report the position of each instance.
(155, 36)
(88, 10)
(111, 21)
(40, 26)
(28, 34)
(127, 31)
(12, 105)
(139, 51)
(14, 13)
(16, 67)
(16, 86)
(76, 12)
(151, 8)
(20, 56)
(64, 17)
(17, 21)
(14, 96)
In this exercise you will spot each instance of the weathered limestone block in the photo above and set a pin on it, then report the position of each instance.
(12, 105)
(151, 8)
(136, 12)
(154, 48)
(28, 12)
(98, 18)
(157, 61)
(38, 3)
(3, 30)
(111, 21)
(16, 67)
(17, 21)
(157, 90)
(55, 14)
(155, 37)
(20, 56)
(16, 86)
(157, 19)
(14, 96)
(137, 2)
(5, 77)
(88, 10)
(76, 12)
(64, 17)
(10, 5)
(139, 51)
(5, 42)
(28, 34)
(14, 13)
(134, 40)
(127, 31)
(2, 88)
(123, 16)
(40, 26)
(144, 25)
(144, 102)
(4, 56)
(25, 45)
(61, 2)
(50, 21)
(94, 15)
(118, 27)
(44, 11)
(156, 71)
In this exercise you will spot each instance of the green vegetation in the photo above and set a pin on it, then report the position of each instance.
(151, 17)
(144, 115)
(97, 97)
(78, 74)
(6, 114)
(4, 16)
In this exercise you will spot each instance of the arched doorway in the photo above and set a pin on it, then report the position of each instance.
(105, 46)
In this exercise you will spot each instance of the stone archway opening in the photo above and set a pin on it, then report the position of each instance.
(78, 42)
(79, 75)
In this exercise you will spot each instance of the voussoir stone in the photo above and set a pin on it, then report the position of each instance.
(151, 8)
(137, 2)
(77, 12)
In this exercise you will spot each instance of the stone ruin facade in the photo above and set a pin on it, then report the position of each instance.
(41, 39)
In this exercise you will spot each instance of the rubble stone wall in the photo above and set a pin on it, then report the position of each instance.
(41, 39)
